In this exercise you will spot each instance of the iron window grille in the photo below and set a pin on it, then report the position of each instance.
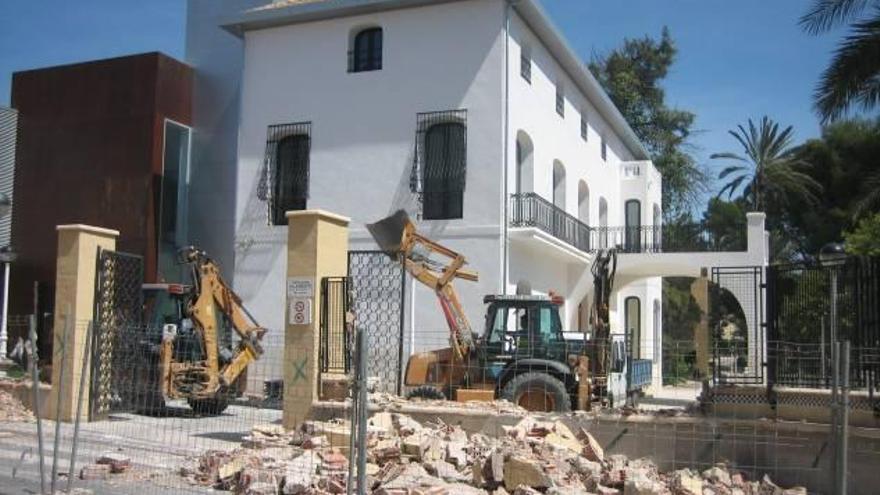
(560, 102)
(284, 184)
(440, 163)
(366, 52)
(584, 127)
(603, 148)
(525, 66)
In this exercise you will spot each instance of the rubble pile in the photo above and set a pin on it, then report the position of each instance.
(12, 410)
(405, 457)
(391, 402)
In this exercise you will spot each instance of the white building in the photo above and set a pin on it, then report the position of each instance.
(475, 116)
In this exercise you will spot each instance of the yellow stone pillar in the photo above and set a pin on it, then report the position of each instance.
(74, 307)
(700, 293)
(317, 247)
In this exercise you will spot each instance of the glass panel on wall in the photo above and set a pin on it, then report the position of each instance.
(173, 205)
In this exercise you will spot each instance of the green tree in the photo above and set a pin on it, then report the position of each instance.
(768, 170)
(726, 223)
(632, 76)
(853, 76)
(865, 239)
(842, 160)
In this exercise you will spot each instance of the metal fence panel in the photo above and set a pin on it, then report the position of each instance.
(377, 286)
(118, 306)
(736, 301)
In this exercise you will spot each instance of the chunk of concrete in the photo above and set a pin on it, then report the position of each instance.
(520, 470)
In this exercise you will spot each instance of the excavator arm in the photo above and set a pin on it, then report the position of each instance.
(212, 300)
(397, 237)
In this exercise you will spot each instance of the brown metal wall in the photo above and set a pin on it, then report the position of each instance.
(90, 151)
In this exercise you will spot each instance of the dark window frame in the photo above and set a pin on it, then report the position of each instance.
(635, 337)
(293, 138)
(603, 149)
(525, 65)
(367, 48)
(440, 192)
(560, 101)
(585, 128)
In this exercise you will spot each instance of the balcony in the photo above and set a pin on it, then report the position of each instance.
(529, 210)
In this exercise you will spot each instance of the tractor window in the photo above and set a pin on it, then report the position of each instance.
(549, 327)
(509, 326)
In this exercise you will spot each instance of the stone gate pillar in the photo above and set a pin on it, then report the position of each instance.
(317, 247)
(74, 308)
(700, 293)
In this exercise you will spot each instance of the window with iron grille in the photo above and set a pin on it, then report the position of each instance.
(584, 126)
(525, 65)
(366, 52)
(440, 168)
(560, 101)
(604, 149)
(285, 182)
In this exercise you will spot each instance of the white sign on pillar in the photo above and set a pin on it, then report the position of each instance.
(300, 311)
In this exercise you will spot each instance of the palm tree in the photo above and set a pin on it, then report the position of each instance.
(853, 76)
(768, 168)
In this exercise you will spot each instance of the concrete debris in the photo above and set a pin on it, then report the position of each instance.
(92, 472)
(12, 410)
(406, 457)
(117, 462)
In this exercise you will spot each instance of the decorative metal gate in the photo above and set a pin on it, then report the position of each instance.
(117, 320)
(376, 283)
(335, 348)
(736, 318)
(810, 306)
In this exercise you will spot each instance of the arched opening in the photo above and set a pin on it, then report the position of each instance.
(658, 331)
(633, 226)
(584, 202)
(658, 227)
(632, 322)
(365, 50)
(524, 163)
(603, 223)
(559, 185)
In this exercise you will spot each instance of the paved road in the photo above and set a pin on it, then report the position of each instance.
(157, 446)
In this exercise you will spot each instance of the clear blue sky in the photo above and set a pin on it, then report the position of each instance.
(736, 59)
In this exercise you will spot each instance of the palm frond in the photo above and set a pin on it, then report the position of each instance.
(854, 73)
(870, 198)
(727, 156)
(731, 169)
(825, 14)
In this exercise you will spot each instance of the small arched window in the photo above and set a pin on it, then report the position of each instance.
(366, 52)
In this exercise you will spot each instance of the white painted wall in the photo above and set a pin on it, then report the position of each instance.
(441, 57)
(217, 57)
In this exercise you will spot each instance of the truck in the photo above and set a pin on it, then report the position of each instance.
(523, 354)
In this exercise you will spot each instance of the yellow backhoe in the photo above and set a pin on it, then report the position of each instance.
(198, 357)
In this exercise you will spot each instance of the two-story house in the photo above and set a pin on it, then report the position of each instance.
(475, 116)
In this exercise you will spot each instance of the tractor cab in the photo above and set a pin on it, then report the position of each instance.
(523, 327)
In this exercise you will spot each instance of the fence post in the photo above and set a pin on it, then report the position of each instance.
(843, 417)
(317, 243)
(75, 289)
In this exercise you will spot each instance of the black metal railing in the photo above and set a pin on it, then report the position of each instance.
(334, 351)
(531, 210)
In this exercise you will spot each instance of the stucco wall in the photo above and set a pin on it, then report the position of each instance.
(363, 135)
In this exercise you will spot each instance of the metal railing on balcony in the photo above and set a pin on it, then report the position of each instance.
(531, 210)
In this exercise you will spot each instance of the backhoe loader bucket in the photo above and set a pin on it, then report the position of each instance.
(388, 232)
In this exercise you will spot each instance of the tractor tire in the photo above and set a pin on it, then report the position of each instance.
(428, 392)
(209, 407)
(538, 392)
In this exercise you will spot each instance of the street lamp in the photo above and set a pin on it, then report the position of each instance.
(831, 256)
(7, 256)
